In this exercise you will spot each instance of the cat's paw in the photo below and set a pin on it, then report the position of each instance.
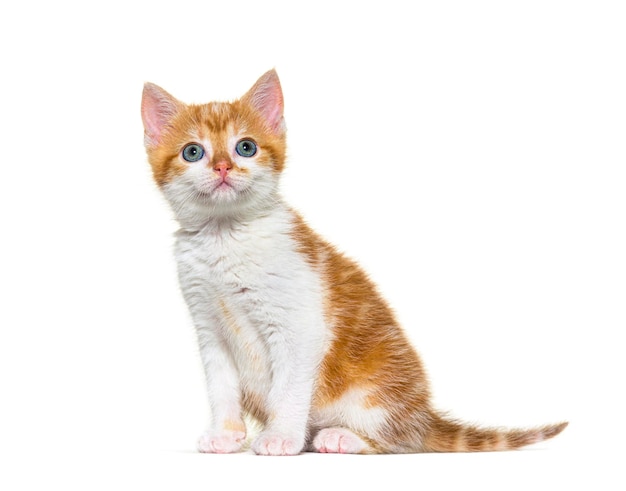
(226, 441)
(338, 440)
(276, 443)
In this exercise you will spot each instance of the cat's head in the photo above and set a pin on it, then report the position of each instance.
(218, 159)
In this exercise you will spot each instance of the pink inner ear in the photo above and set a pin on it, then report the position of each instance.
(267, 97)
(157, 109)
(274, 113)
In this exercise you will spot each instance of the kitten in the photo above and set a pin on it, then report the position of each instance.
(291, 332)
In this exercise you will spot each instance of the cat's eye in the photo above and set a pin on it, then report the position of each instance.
(193, 152)
(246, 148)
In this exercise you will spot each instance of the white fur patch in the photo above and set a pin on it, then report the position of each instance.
(258, 310)
(351, 411)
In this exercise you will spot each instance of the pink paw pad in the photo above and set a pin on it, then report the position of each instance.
(338, 440)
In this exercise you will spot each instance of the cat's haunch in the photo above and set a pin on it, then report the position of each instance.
(291, 332)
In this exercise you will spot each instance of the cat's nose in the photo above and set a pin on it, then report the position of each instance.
(222, 167)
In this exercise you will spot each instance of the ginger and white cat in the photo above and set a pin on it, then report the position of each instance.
(291, 332)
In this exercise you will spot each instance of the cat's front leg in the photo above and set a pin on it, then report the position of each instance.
(227, 430)
(295, 355)
(285, 433)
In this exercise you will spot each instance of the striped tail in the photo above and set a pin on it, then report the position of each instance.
(446, 435)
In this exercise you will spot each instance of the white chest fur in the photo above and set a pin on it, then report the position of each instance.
(251, 292)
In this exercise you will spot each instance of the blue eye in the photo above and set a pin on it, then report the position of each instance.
(246, 148)
(193, 152)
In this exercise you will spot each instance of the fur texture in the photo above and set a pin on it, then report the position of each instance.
(291, 332)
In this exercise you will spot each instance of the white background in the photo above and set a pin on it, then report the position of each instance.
(469, 154)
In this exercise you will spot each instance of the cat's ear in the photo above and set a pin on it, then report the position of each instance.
(157, 110)
(266, 96)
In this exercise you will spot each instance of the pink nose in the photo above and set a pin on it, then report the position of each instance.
(222, 168)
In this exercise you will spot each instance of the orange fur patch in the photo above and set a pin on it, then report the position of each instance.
(234, 425)
(212, 122)
(254, 405)
(232, 325)
(451, 436)
(368, 349)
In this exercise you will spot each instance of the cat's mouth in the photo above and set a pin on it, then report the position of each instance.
(224, 185)
(220, 189)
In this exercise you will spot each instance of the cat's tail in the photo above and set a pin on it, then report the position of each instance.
(447, 435)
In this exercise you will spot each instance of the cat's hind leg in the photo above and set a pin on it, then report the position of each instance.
(339, 440)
